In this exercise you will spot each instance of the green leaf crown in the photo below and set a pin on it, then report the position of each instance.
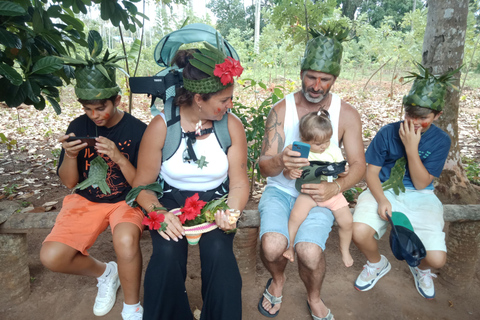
(324, 51)
(205, 60)
(428, 90)
(95, 76)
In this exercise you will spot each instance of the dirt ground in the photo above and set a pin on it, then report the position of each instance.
(27, 175)
(59, 296)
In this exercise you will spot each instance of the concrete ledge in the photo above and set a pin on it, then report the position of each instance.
(451, 212)
(22, 222)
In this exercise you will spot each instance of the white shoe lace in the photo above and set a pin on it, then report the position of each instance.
(425, 277)
(368, 270)
(103, 289)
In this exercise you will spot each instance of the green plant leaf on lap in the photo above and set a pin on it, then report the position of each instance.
(96, 176)
(396, 177)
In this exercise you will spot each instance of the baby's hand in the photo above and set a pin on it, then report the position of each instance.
(292, 174)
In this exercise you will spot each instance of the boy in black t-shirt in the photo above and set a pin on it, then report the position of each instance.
(102, 174)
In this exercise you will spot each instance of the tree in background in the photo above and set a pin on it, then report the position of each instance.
(230, 15)
(443, 50)
(377, 10)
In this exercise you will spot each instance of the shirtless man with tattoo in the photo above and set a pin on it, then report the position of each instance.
(319, 70)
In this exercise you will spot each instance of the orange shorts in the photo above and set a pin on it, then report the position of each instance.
(81, 221)
(334, 203)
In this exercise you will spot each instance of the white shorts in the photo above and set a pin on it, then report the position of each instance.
(422, 208)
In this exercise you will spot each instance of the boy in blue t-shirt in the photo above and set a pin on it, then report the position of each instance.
(425, 148)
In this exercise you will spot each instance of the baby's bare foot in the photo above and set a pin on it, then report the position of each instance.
(289, 254)
(347, 259)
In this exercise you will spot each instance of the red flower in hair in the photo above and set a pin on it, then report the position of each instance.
(227, 70)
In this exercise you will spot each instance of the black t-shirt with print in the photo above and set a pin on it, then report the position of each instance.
(126, 134)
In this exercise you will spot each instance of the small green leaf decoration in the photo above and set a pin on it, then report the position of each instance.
(201, 162)
(47, 65)
(396, 177)
(96, 176)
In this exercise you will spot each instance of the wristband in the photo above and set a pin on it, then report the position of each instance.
(339, 187)
(69, 156)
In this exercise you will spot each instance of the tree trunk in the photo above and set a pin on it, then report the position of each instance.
(256, 43)
(443, 48)
(462, 246)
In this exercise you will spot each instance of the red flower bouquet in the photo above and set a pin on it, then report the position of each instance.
(196, 216)
(227, 70)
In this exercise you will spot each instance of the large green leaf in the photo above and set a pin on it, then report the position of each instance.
(55, 104)
(131, 7)
(11, 74)
(27, 88)
(37, 20)
(71, 21)
(46, 80)
(11, 9)
(16, 97)
(133, 53)
(9, 39)
(40, 105)
(47, 65)
(95, 43)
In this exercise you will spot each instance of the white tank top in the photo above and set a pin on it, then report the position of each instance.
(292, 133)
(188, 176)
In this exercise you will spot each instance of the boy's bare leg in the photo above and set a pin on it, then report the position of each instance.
(59, 257)
(364, 240)
(126, 242)
(345, 223)
(300, 210)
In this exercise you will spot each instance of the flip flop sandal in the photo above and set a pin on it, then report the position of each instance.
(271, 298)
(328, 317)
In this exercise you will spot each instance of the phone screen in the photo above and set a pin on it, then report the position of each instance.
(89, 140)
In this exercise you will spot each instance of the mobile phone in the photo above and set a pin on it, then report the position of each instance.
(302, 147)
(89, 140)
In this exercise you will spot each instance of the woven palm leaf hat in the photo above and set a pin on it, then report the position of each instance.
(324, 51)
(428, 90)
(217, 65)
(95, 76)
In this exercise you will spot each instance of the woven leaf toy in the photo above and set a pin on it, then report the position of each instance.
(396, 177)
(96, 176)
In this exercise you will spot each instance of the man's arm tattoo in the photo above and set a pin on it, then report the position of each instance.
(271, 126)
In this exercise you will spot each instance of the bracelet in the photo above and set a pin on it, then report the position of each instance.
(339, 187)
(69, 156)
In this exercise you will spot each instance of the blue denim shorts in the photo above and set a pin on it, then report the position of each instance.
(275, 207)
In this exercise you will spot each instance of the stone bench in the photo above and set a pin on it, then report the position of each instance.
(463, 231)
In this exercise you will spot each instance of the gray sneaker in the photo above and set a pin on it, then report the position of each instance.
(370, 275)
(107, 291)
(424, 282)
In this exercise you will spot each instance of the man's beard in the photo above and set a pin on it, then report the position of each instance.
(311, 99)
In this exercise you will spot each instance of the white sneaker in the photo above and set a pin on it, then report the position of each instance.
(370, 275)
(137, 315)
(424, 282)
(107, 291)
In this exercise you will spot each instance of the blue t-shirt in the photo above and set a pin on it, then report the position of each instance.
(387, 147)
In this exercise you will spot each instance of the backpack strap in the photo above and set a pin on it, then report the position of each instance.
(222, 133)
(174, 130)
